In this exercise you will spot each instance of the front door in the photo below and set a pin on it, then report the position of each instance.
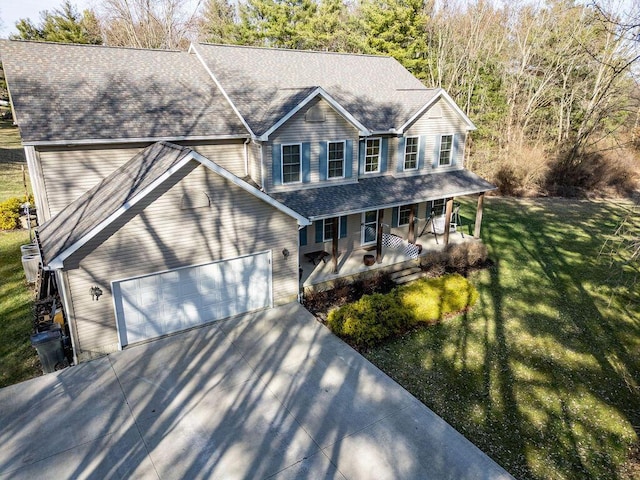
(369, 227)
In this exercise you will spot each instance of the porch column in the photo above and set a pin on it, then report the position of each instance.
(379, 238)
(412, 227)
(334, 245)
(447, 219)
(478, 225)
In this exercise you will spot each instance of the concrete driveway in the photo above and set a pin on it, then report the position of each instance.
(266, 395)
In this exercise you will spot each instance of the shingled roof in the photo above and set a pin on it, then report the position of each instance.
(379, 92)
(381, 192)
(66, 93)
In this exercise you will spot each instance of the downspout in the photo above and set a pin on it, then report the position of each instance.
(64, 291)
(262, 167)
(246, 157)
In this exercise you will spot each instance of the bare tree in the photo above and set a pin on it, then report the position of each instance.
(148, 23)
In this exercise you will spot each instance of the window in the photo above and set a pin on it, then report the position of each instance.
(404, 215)
(372, 155)
(290, 163)
(335, 162)
(369, 227)
(411, 153)
(327, 229)
(438, 207)
(446, 148)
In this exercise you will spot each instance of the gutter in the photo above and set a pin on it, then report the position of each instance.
(110, 141)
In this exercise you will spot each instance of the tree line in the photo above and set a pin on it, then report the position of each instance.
(552, 86)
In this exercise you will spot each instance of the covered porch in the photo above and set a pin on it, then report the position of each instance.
(396, 245)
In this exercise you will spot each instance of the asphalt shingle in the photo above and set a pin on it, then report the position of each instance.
(378, 91)
(381, 192)
(67, 92)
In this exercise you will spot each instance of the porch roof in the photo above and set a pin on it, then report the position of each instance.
(381, 192)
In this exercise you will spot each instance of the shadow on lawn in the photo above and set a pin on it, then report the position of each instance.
(542, 374)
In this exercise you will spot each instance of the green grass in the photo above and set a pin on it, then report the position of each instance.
(11, 162)
(543, 373)
(18, 359)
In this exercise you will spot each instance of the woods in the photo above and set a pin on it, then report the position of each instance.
(552, 86)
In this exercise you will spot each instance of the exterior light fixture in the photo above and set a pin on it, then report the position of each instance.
(95, 293)
(285, 253)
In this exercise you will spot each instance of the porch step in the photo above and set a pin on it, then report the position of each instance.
(407, 275)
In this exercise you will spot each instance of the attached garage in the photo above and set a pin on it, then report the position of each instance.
(161, 303)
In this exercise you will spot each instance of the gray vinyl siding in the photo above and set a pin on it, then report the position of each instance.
(255, 171)
(69, 173)
(429, 127)
(229, 156)
(156, 235)
(298, 130)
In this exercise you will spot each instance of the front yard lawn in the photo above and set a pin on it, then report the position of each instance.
(543, 373)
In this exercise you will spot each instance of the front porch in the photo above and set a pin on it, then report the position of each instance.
(350, 260)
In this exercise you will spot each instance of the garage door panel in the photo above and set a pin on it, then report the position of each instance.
(168, 302)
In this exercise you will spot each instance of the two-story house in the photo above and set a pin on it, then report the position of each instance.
(178, 188)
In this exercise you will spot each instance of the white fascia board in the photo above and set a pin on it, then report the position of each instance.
(193, 49)
(441, 94)
(319, 91)
(302, 221)
(58, 261)
(110, 141)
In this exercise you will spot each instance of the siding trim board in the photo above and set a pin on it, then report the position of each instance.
(58, 261)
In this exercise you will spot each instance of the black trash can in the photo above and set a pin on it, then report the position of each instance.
(49, 347)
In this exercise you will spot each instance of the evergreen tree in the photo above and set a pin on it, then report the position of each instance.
(63, 25)
(218, 23)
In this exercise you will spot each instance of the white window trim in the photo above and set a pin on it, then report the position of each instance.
(453, 138)
(404, 158)
(344, 158)
(401, 206)
(282, 163)
(364, 167)
(362, 229)
(323, 229)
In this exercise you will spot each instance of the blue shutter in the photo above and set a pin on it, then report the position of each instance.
(306, 162)
(384, 154)
(395, 214)
(421, 149)
(436, 152)
(319, 230)
(456, 147)
(322, 160)
(361, 150)
(348, 159)
(400, 165)
(276, 156)
(429, 208)
(343, 227)
(303, 236)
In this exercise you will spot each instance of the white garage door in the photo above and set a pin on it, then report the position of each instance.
(161, 303)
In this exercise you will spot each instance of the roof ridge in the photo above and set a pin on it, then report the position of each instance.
(114, 47)
(277, 49)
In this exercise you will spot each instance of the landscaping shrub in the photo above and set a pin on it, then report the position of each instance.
(435, 263)
(455, 258)
(10, 214)
(376, 317)
(369, 320)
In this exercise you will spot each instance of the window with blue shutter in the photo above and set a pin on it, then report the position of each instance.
(343, 227)
(306, 162)
(302, 233)
(322, 161)
(400, 157)
(348, 159)
(384, 154)
(319, 224)
(276, 163)
(394, 216)
(422, 146)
